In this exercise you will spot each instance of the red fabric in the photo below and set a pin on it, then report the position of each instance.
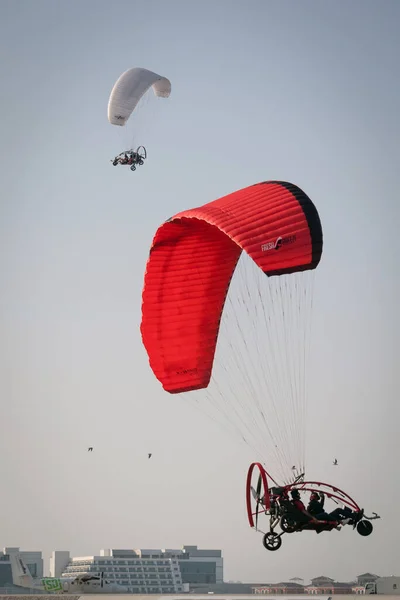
(192, 260)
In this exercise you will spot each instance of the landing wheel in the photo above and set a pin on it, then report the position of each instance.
(272, 541)
(133, 167)
(115, 162)
(287, 524)
(364, 528)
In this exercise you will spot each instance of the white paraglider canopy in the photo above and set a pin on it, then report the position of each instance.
(130, 88)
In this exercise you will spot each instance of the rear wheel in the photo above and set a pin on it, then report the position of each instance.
(272, 541)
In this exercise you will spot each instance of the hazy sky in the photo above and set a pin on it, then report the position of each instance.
(302, 91)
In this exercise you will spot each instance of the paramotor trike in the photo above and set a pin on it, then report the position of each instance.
(131, 158)
(272, 500)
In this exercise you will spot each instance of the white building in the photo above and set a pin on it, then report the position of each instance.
(146, 571)
(33, 560)
(200, 566)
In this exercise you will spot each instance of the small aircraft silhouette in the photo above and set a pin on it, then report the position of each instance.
(90, 449)
(335, 462)
(149, 455)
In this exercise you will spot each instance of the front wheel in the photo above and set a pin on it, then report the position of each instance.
(133, 168)
(364, 528)
(272, 541)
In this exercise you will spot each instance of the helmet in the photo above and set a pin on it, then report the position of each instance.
(295, 494)
(314, 496)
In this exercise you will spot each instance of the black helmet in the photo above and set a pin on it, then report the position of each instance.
(295, 494)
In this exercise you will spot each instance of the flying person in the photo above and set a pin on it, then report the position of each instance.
(297, 503)
(316, 508)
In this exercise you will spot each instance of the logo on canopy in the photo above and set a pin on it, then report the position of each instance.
(278, 243)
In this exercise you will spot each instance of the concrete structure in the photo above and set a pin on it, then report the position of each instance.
(365, 578)
(336, 587)
(153, 597)
(320, 586)
(327, 586)
(146, 571)
(58, 562)
(200, 566)
(283, 588)
(321, 580)
(33, 560)
(384, 585)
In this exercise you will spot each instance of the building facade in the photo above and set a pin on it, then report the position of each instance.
(284, 588)
(146, 571)
(33, 560)
(365, 578)
(319, 585)
(322, 581)
(200, 566)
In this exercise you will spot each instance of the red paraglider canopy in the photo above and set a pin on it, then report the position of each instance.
(192, 259)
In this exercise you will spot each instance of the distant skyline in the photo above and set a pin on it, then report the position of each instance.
(292, 578)
(304, 92)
